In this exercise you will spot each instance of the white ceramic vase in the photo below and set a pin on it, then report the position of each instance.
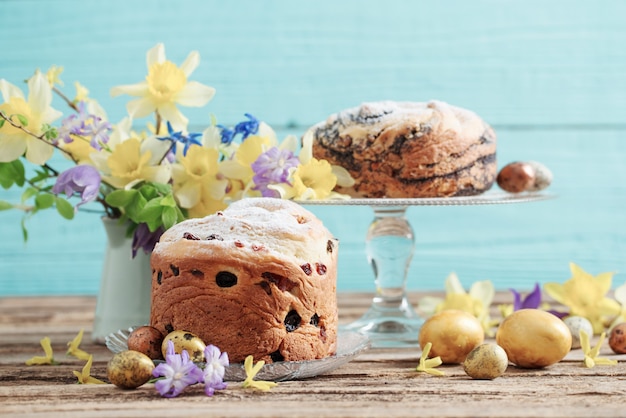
(124, 296)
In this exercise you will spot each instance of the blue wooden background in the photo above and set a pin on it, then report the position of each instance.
(549, 76)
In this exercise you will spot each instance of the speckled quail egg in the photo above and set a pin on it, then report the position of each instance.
(543, 176)
(487, 361)
(453, 334)
(575, 325)
(129, 369)
(533, 338)
(184, 340)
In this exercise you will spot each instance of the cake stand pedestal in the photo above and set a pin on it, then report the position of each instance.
(391, 321)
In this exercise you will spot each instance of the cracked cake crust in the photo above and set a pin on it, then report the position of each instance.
(407, 149)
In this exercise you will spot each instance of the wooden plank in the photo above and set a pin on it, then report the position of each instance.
(378, 382)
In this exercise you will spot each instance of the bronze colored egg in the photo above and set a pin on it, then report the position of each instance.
(516, 177)
(146, 340)
(617, 339)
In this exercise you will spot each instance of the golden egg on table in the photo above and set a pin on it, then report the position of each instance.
(533, 338)
(487, 361)
(184, 340)
(453, 334)
(129, 369)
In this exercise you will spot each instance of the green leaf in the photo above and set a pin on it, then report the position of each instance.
(23, 120)
(150, 212)
(28, 193)
(1, 123)
(168, 201)
(44, 200)
(169, 217)
(121, 198)
(64, 208)
(24, 230)
(12, 173)
(148, 191)
(162, 189)
(4, 205)
(134, 208)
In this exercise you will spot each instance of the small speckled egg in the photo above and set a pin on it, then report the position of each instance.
(453, 334)
(617, 338)
(533, 338)
(184, 340)
(129, 369)
(543, 176)
(147, 340)
(487, 361)
(516, 177)
(575, 325)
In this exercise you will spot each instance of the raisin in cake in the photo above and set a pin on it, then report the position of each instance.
(406, 149)
(258, 278)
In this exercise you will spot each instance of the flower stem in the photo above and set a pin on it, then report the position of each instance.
(39, 137)
(65, 99)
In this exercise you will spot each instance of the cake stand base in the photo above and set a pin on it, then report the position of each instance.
(395, 325)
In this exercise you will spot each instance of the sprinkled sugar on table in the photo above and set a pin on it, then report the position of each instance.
(379, 382)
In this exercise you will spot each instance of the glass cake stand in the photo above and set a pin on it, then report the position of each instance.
(391, 321)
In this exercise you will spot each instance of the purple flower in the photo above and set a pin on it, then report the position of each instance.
(83, 179)
(85, 125)
(273, 167)
(531, 301)
(213, 374)
(145, 239)
(177, 137)
(178, 372)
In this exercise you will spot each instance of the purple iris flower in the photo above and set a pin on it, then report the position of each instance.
(177, 137)
(244, 128)
(213, 374)
(531, 301)
(178, 372)
(82, 179)
(273, 167)
(145, 239)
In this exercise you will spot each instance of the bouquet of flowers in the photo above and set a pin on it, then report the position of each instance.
(153, 177)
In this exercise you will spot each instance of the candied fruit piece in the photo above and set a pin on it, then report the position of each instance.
(306, 268)
(321, 269)
(175, 270)
(190, 236)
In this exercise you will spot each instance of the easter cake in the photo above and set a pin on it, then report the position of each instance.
(409, 149)
(258, 278)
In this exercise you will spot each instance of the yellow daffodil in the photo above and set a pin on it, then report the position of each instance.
(128, 166)
(84, 376)
(74, 350)
(477, 302)
(240, 166)
(196, 175)
(314, 179)
(48, 358)
(36, 110)
(585, 295)
(591, 354)
(54, 75)
(251, 372)
(427, 365)
(165, 86)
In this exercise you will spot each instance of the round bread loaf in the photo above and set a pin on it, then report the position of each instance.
(406, 149)
(258, 278)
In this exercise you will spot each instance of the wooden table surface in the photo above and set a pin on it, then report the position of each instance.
(379, 382)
